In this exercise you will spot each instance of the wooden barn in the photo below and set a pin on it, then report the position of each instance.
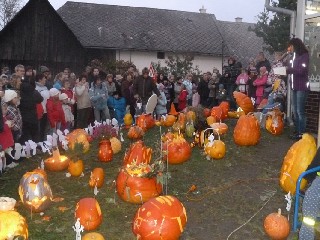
(38, 36)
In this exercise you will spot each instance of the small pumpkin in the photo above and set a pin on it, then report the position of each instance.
(96, 178)
(105, 153)
(169, 120)
(89, 212)
(128, 120)
(219, 127)
(75, 168)
(191, 116)
(178, 150)
(211, 120)
(296, 161)
(215, 149)
(277, 226)
(162, 217)
(274, 122)
(243, 101)
(57, 162)
(138, 153)
(247, 131)
(135, 132)
(93, 236)
(115, 145)
(13, 225)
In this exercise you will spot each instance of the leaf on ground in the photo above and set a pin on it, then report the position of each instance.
(46, 218)
(58, 199)
(63, 209)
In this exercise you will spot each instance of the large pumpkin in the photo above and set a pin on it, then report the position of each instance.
(178, 150)
(243, 101)
(135, 132)
(296, 161)
(274, 122)
(96, 178)
(133, 186)
(247, 131)
(277, 226)
(215, 149)
(79, 136)
(162, 217)
(225, 106)
(89, 212)
(12, 225)
(35, 192)
(138, 153)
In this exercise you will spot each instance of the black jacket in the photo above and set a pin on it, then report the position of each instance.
(144, 87)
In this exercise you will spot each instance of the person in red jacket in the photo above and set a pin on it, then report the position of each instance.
(55, 111)
(182, 99)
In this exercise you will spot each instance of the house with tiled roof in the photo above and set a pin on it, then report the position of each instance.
(136, 34)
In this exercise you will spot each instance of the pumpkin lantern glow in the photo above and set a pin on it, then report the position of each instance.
(96, 178)
(35, 192)
(105, 151)
(89, 212)
(162, 217)
(57, 162)
(12, 225)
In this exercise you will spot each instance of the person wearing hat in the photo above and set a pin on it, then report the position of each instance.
(13, 113)
(68, 115)
(55, 111)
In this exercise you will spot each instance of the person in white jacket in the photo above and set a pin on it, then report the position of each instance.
(83, 102)
(161, 107)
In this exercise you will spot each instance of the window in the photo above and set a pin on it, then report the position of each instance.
(160, 55)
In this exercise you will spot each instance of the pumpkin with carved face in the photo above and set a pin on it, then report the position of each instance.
(89, 212)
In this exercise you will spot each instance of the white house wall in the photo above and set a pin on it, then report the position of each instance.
(143, 59)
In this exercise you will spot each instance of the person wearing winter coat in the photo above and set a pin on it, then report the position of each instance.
(195, 96)
(118, 104)
(298, 68)
(182, 99)
(29, 99)
(55, 112)
(98, 96)
(169, 90)
(110, 84)
(161, 107)
(188, 83)
(213, 81)
(203, 90)
(68, 115)
(260, 83)
(83, 102)
(242, 81)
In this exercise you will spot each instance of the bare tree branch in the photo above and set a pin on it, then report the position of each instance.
(8, 9)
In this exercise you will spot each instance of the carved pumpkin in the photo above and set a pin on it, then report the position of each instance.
(89, 212)
(105, 151)
(79, 136)
(93, 236)
(173, 110)
(149, 121)
(178, 150)
(135, 132)
(191, 116)
(215, 150)
(115, 145)
(138, 153)
(216, 112)
(243, 101)
(220, 128)
(225, 106)
(211, 120)
(35, 192)
(201, 137)
(134, 187)
(57, 162)
(296, 161)
(274, 122)
(128, 120)
(247, 131)
(277, 226)
(12, 225)
(96, 178)
(162, 217)
(75, 168)
(169, 120)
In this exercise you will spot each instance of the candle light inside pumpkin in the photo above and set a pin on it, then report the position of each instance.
(57, 162)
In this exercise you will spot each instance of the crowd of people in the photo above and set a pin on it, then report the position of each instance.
(34, 103)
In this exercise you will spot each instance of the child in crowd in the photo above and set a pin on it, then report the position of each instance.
(161, 107)
(55, 111)
(221, 94)
(242, 81)
(260, 83)
(195, 96)
(276, 98)
(70, 94)
(212, 86)
(118, 104)
(68, 115)
(182, 98)
(13, 113)
(252, 73)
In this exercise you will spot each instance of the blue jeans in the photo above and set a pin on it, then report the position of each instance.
(299, 99)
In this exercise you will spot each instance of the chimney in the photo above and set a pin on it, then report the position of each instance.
(238, 19)
(203, 10)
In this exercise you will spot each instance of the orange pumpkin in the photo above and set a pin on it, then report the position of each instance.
(96, 178)
(135, 132)
(211, 120)
(220, 128)
(105, 151)
(141, 122)
(217, 113)
(215, 150)
(178, 150)
(247, 131)
(243, 101)
(162, 217)
(128, 120)
(42, 172)
(169, 120)
(76, 168)
(149, 121)
(89, 212)
(93, 236)
(78, 136)
(274, 122)
(225, 106)
(57, 162)
(13, 225)
(133, 187)
(138, 153)
(277, 226)
(296, 161)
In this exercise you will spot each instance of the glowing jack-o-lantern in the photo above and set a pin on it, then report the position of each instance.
(96, 178)
(35, 192)
(57, 162)
(105, 151)
(89, 212)
(162, 217)
(79, 136)
(13, 225)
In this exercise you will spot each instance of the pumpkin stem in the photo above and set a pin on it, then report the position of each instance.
(279, 212)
